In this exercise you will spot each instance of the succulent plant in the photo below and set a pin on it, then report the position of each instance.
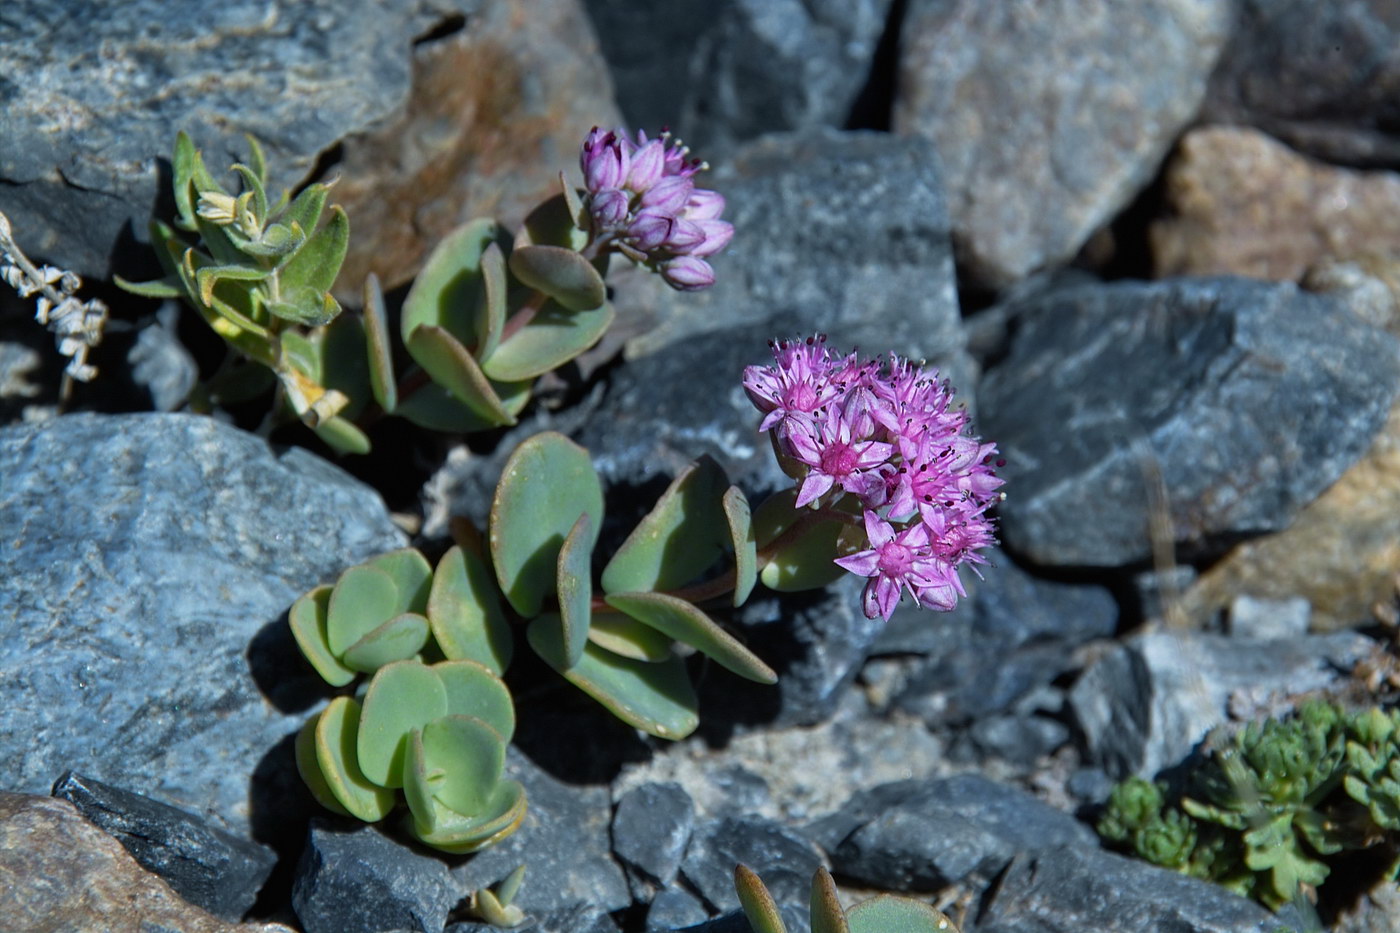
(1266, 812)
(884, 913)
(495, 904)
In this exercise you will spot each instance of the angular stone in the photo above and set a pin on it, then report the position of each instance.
(650, 829)
(1241, 203)
(60, 872)
(673, 909)
(1247, 399)
(1319, 76)
(924, 835)
(1049, 117)
(563, 845)
(1073, 889)
(1144, 704)
(782, 858)
(355, 879)
(730, 70)
(149, 563)
(580, 919)
(793, 917)
(206, 866)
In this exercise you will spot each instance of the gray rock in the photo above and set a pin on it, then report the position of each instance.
(1248, 398)
(1017, 738)
(731, 70)
(354, 879)
(206, 866)
(782, 858)
(1320, 77)
(1254, 617)
(149, 563)
(793, 917)
(924, 835)
(1073, 889)
(563, 843)
(1049, 117)
(1144, 704)
(650, 829)
(159, 362)
(674, 908)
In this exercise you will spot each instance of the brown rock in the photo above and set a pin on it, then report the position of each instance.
(495, 113)
(60, 872)
(1242, 203)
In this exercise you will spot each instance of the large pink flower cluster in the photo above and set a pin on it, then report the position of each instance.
(888, 435)
(643, 200)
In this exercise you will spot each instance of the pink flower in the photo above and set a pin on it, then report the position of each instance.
(837, 454)
(899, 561)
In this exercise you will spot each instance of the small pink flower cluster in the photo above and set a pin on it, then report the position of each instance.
(642, 197)
(887, 435)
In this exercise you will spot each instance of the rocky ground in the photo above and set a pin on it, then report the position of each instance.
(1153, 244)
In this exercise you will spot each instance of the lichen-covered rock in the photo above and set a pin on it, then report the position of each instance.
(1049, 116)
(149, 561)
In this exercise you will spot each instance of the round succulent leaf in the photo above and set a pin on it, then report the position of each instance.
(688, 624)
(436, 409)
(805, 563)
(337, 729)
(624, 635)
(378, 351)
(826, 913)
(889, 914)
(547, 483)
(562, 274)
(552, 338)
(363, 599)
(449, 364)
(412, 576)
(551, 224)
(417, 788)
(473, 690)
(310, 769)
(657, 698)
(400, 638)
(464, 759)
(464, 611)
(342, 436)
(308, 621)
(575, 586)
(736, 515)
(403, 696)
(681, 537)
(460, 834)
(447, 291)
(757, 903)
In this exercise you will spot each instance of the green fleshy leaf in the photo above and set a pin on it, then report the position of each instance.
(183, 164)
(657, 698)
(686, 623)
(464, 610)
(310, 769)
(363, 599)
(806, 563)
(257, 159)
(458, 834)
(207, 277)
(380, 353)
(474, 690)
(889, 914)
(547, 483)
(218, 242)
(435, 408)
(826, 913)
(680, 538)
(505, 891)
(277, 240)
(560, 273)
(308, 621)
(575, 586)
(625, 636)
(448, 291)
(342, 436)
(417, 787)
(463, 759)
(551, 224)
(412, 576)
(167, 287)
(736, 514)
(399, 639)
(490, 317)
(573, 203)
(757, 903)
(403, 696)
(337, 729)
(317, 263)
(552, 338)
(452, 367)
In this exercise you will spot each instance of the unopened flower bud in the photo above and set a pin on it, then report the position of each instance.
(608, 209)
(685, 235)
(687, 273)
(717, 233)
(605, 160)
(669, 194)
(647, 165)
(704, 204)
(650, 229)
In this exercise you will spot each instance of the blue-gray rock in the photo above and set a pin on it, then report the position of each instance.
(1020, 739)
(580, 919)
(731, 70)
(149, 561)
(1069, 889)
(650, 829)
(159, 362)
(673, 909)
(1144, 704)
(563, 845)
(1319, 76)
(354, 879)
(1248, 399)
(206, 866)
(793, 917)
(1048, 121)
(923, 835)
(1256, 617)
(783, 858)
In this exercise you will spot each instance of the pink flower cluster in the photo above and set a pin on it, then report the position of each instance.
(888, 436)
(642, 198)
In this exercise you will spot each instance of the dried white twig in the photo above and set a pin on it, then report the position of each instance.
(77, 324)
